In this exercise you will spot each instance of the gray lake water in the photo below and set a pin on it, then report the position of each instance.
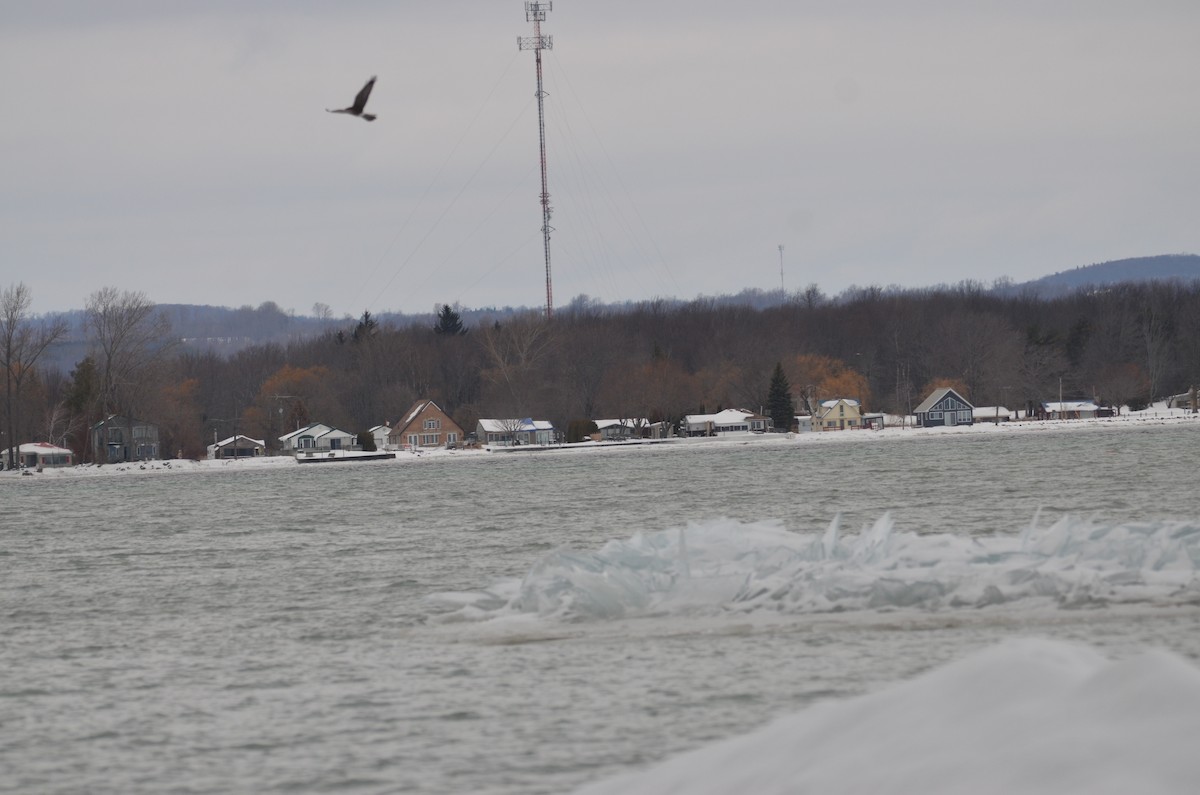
(270, 629)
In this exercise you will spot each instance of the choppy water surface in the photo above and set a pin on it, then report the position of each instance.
(356, 627)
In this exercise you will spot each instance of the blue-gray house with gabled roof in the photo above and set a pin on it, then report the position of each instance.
(944, 407)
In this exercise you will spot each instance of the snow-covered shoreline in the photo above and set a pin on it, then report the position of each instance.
(1152, 417)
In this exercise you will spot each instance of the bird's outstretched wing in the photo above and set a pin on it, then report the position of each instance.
(360, 101)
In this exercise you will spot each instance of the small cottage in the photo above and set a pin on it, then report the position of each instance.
(994, 414)
(729, 421)
(944, 407)
(380, 434)
(317, 436)
(40, 455)
(237, 447)
(1070, 410)
(838, 414)
(621, 430)
(503, 433)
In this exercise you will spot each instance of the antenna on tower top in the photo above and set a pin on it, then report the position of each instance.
(535, 12)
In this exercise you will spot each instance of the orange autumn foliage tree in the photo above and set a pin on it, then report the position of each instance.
(816, 378)
(290, 398)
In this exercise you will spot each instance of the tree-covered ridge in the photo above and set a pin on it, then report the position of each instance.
(660, 360)
(1165, 267)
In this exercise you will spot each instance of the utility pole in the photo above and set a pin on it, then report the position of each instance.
(535, 12)
(781, 287)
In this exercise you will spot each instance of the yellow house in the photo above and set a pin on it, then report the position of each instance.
(838, 415)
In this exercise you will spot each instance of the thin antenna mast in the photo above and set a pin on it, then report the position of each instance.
(535, 12)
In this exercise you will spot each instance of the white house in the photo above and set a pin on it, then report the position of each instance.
(996, 414)
(37, 455)
(726, 422)
(512, 432)
(1070, 410)
(316, 436)
(380, 434)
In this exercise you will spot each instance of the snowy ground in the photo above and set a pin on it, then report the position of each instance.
(1052, 718)
(1156, 415)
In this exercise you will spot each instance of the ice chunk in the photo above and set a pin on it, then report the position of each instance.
(730, 566)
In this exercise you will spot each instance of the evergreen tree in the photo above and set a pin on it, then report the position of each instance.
(449, 322)
(779, 400)
(367, 328)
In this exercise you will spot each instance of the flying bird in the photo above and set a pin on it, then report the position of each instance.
(360, 102)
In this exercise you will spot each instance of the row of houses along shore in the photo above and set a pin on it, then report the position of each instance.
(426, 426)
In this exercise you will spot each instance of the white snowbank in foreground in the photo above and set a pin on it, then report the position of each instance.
(1027, 716)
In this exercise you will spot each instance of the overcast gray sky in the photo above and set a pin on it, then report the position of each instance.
(182, 148)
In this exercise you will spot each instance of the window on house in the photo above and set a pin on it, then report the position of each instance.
(412, 440)
(432, 425)
(429, 439)
(451, 437)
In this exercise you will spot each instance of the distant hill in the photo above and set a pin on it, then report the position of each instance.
(1166, 267)
(226, 330)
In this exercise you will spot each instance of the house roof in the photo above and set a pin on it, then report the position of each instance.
(831, 403)
(123, 418)
(417, 408)
(41, 448)
(318, 430)
(629, 422)
(506, 426)
(1071, 405)
(931, 401)
(415, 411)
(229, 441)
(420, 407)
(724, 417)
(307, 428)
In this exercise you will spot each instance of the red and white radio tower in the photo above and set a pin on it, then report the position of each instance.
(535, 12)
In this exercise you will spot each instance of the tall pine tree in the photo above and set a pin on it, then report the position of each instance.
(449, 322)
(779, 400)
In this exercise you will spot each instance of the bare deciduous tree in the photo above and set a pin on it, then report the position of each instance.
(129, 337)
(22, 343)
(514, 353)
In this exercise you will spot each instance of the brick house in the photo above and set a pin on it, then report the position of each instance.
(425, 425)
